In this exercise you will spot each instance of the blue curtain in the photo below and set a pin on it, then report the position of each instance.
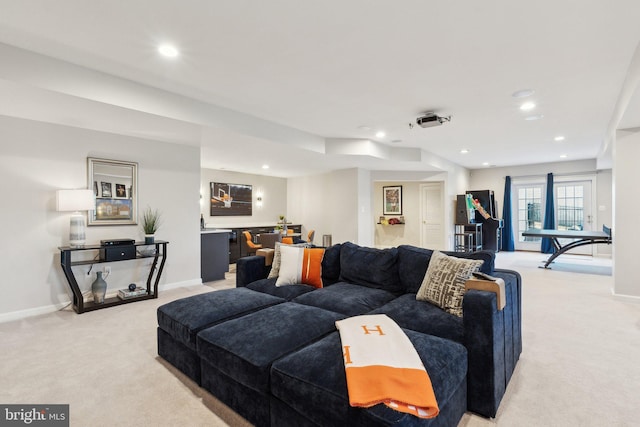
(549, 217)
(507, 243)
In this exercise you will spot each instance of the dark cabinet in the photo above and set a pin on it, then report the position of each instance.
(214, 255)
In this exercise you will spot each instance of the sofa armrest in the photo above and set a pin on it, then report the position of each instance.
(249, 269)
(494, 342)
(484, 340)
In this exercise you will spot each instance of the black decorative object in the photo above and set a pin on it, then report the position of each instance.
(132, 287)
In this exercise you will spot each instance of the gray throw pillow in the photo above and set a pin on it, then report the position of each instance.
(277, 258)
(443, 284)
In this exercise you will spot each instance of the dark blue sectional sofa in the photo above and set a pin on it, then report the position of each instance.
(274, 356)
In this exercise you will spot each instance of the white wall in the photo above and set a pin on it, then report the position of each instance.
(455, 180)
(626, 234)
(394, 235)
(36, 159)
(331, 204)
(493, 179)
(274, 198)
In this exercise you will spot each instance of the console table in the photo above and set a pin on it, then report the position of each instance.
(80, 306)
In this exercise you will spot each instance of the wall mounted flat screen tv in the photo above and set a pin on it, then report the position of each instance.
(231, 199)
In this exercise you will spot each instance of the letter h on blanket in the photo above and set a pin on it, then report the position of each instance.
(382, 366)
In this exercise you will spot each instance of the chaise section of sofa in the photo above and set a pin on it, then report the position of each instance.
(180, 321)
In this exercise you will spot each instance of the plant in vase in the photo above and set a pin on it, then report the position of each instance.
(150, 224)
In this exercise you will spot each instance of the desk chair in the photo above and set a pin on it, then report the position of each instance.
(251, 247)
(268, 240)
(310, 236)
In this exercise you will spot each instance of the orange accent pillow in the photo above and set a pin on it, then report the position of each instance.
(312, 267)
(300, 265)
(287, 240)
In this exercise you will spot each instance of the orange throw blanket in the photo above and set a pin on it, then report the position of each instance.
(382, 366)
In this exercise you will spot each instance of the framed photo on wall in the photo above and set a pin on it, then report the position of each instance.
(231, 199)
(392, 200)
(106, 189)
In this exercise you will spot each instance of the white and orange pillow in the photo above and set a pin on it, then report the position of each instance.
(300, 265)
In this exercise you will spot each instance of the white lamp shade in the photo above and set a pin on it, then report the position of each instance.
(74, 200)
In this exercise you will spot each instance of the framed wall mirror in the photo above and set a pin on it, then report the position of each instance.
(114, 185)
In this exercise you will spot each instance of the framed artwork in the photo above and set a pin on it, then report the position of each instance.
(113, 209)
(114, 185)
(121, 190)
(231, 199)
(106, 189)
(392, 200)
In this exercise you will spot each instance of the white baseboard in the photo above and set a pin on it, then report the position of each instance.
(36, 311)
(175, 285)
(625, 298)
(30, 312)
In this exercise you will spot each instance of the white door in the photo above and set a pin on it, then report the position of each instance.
(528, 213)
(432, 212)
(573, 210)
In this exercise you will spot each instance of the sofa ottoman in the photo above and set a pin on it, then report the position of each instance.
(236, 356)
(312, 390)
(180, 321)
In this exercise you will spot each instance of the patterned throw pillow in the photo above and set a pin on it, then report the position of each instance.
(275, 264)
(443, 284)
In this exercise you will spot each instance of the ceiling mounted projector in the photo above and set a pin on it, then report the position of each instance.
(431, 120)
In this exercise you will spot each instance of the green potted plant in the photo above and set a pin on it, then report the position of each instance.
(150, 224)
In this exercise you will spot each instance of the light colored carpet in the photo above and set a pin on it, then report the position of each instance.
(579, 366)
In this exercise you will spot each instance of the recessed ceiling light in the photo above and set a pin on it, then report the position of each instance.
(485, 164)
(534, 117)
(380, 134)
(527, 106)
(168, 50)
(563, 156)
(559, 138)
(265, 166)
(464, 151)
(364, 127)
(523, 93)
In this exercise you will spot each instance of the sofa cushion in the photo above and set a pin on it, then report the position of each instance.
(489, 258)
(370, 267)
(444, 281)
(244, 348)
(346, 298)
(331, 265)
(184, 318)
(268, 286)
(422, 316)
(300, 265)
(413, 262)
(315, 386)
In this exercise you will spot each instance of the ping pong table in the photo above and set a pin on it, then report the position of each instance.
(581, 238)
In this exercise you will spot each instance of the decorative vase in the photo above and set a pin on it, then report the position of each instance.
(99, 288)
(149, 239)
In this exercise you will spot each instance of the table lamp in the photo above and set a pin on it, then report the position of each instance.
(75, 201)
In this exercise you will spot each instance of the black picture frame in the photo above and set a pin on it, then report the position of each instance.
(106, 189)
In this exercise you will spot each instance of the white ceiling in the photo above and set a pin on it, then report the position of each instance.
(325, 69)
